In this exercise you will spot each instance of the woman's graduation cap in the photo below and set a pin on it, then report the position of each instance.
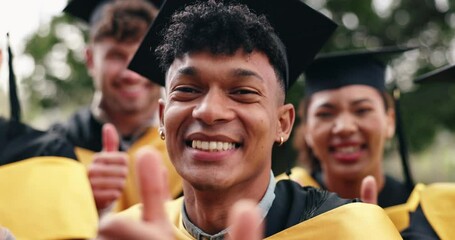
(302, 30)
(338, 69)
(359, 67)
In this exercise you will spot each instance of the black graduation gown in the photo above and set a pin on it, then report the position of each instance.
(419, 227)
(83, 130)
(19, 141)
(393, 193)
(294, 204)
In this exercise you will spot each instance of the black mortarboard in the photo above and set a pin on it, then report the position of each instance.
(84, 9)
(19, 141)
(335, 70)
(302, 29)
(445, 74)
(363, 67)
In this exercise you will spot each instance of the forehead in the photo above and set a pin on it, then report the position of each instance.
(346, 94)
(215, 67)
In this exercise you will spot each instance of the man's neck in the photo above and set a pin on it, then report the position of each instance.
(208, 210)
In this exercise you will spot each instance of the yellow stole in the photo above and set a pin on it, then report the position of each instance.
(350, 221)
(47, 198)
(130, 194)
(438, 204)
(399, 214)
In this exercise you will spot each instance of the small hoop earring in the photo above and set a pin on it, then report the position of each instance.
(281, 141)
(162, 136)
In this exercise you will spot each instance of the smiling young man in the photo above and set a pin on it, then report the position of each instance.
(122, 97)
(226, 76)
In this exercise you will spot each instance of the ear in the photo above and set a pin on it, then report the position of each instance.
(161, 105)
(286, 118)
(89, 58)
(391, 123)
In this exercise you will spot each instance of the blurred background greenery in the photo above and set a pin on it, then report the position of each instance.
(58, 82)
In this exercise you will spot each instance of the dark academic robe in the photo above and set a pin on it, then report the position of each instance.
(19, 141)
(304, 213)
(419, 227)
(85, 132)
(45, 192)
(431, 212)
(393, 193)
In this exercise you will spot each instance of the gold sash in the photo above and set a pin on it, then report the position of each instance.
(47, 198)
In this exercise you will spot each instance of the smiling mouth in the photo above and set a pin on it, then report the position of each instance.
(212, 146)
(348, 149)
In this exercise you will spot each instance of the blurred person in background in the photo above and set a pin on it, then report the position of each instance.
(347, 116)
(122, 97)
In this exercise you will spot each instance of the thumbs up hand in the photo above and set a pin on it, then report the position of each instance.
(369, 190)
(109, 169)
(154, 193)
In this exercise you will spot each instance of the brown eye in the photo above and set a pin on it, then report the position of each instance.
(324, 114)
(244, 91)
(186, 90)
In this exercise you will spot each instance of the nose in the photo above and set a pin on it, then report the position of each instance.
(214, 107)
(345, 125)
(131, 76)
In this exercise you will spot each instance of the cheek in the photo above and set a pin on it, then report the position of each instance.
(318, 132)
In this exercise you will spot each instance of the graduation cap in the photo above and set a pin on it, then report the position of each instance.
(84, 9)
(442, 75)
(302, 30)
(338, 69)
(360, 67)
(19, 141)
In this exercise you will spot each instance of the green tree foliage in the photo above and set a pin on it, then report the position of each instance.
(60, 79)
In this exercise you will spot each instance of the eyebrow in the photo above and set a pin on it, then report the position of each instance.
(355, 102)
(237, 72)
(241, 72)
(190, 71)
(359, 101)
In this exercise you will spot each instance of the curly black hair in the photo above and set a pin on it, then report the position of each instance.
(221, 28)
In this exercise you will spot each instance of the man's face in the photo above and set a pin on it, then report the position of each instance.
(221, 116)
(123, 91)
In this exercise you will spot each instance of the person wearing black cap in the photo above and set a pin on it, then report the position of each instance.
(433, 210)
(226, 72)
(346, 118)
(122, 97)
(45, 191)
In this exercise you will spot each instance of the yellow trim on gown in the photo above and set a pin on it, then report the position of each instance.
(399, 214)
(350, 221)
(130, 194)
(438, 205)
(47, 198)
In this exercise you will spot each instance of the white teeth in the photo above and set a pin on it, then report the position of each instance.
(350, 149)
(212, 146)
